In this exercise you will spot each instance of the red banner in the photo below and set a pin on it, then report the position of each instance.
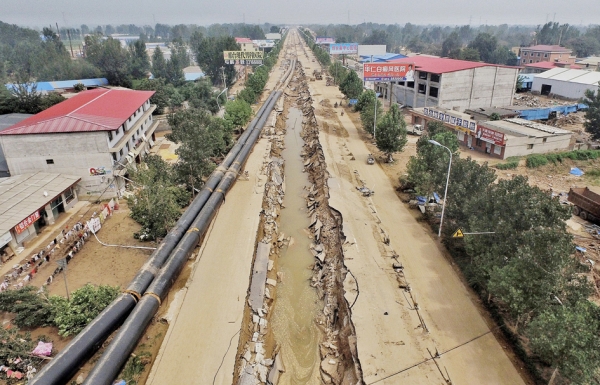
(388, 72)
(25, 223)
(489, 135)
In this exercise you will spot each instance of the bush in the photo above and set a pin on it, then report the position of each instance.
(31, 309)
(508, 165)
(86, 303)
(536, 160)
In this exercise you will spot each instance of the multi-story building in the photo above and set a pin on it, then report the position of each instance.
(94, 135)
(246, 44)
(453, 84)
(549, 53)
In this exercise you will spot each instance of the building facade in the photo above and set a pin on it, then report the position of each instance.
(565, 83)
(497, 138)
(246, 44)
(546, 53)
(93, 135)
(453, 84)
(29, 202)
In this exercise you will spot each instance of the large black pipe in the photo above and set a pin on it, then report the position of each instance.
(117, 353)
(69, 360)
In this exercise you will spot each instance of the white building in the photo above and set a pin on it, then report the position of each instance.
(92, 135)
(454, 84)
(566, 83)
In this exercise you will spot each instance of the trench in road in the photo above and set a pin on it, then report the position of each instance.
(297, 303)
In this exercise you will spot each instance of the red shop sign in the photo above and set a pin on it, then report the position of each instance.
(25, 223)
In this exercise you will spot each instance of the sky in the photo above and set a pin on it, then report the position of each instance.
(73, 13)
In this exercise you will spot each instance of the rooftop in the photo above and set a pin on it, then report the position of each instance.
(63, 84)
(518, 127)
(548, 48)
(439, 65)
(572, 75)
(94, 110)
(488, 111)
(549, 65)
(23, 195)
(242, 40)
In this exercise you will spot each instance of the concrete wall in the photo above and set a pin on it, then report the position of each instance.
(517, 146)
(68, 153)
(479, 87)
(562, 88)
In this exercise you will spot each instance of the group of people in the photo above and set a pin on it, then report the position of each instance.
(73, 240)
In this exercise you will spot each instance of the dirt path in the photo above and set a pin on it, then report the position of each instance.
(390, 335)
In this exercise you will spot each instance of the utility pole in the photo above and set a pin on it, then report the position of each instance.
(70, 43)
(57, 31)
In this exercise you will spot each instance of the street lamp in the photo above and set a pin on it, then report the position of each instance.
(447, 180)
(225, 90)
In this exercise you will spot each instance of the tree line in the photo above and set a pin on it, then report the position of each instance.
(525, 270)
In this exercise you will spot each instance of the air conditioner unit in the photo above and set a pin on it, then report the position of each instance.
(131, 154)
(129, 158)
(151, 142)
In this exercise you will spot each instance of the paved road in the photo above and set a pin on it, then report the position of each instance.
(389, 338)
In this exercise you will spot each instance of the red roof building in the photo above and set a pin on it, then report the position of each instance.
(92, 135)
(452, 84)
(545, 53)
(94, 110)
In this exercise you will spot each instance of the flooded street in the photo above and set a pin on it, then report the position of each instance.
(296, 306)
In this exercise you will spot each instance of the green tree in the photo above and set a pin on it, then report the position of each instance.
(157, 201)
(237, 114)
(71, 316)
(139, 63)
(352, 86)
(391, 132)
(161, 96)
(110, 58)
(365, 99)
(32, 309)
(367, 113)
(159, 64)
(275, 29)
(338, 71)
(470, 54)
(567, 338)
(209, 55)
(592, 115)
(485, 44)
(584, 46)
(27, 99)
(202, 137)
(451, 46)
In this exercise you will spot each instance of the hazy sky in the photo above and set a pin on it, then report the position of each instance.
(73, 13)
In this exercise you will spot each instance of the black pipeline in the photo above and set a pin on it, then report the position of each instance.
(86, 343)
(117, 353)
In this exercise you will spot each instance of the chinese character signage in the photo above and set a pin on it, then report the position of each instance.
(460, 123)
(25, 223)
(324, 40)
(491, 136)
(382, 72)
(343, 48)
(243, 55)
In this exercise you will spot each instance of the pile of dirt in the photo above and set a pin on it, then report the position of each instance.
(529, 100)
(338, 351)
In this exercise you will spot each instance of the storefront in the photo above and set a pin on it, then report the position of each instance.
(30, 202)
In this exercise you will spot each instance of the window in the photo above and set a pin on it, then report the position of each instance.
(538, 54)
(433, 92)
(110, 134)
(410, 84)
(435, 78)
(422, 75)
(545, 55)
(422, 88)
(524, 54)
(69, 196)
(49, 161)
(530, 61)
(114, 154)
(497, 150)
(543, 139)
(529, 146)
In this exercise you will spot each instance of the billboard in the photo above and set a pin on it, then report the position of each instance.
(324, 40)
(343, 48)
(368, 50)
(243, 57)
(465, 125)
(385, 72)
(491, 136)
(264, 43)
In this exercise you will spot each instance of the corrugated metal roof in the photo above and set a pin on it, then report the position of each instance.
(94, 110)
(572, 75)
(64, 84)
(23, 195)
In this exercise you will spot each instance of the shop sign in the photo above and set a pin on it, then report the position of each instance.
(324, 40)
(343, 48)
(385, 72)
(25, 223)
(243, 55)
(5, 239)
(466, 125)
(489, 135)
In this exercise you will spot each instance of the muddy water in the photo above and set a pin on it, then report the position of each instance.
(296, 305)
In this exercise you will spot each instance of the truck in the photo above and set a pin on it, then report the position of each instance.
(415, 129)
(586, 203)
